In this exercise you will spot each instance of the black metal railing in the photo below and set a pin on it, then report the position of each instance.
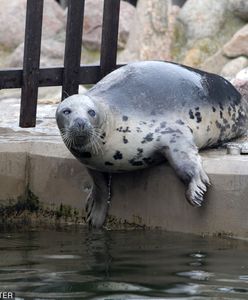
(31, 76)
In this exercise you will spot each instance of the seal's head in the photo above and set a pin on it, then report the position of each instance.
(79, 121)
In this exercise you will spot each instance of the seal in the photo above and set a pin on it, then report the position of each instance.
(145, 113)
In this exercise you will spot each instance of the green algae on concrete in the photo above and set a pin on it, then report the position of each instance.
(29, 211)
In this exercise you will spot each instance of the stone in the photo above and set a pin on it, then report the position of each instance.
(203, 18)
(52, 54)
(215, 63)
(152, 32)
(92, 29)
(238, 45)
(234, 66)
(12, 19)
(239, 8)
(208, 24)
(201, 49)
(243, 74)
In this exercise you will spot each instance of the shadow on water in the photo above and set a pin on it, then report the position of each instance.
(82, 264)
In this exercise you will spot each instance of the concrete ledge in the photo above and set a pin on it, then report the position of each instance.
(153, 197)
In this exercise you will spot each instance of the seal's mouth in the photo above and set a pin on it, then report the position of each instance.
(82, 135)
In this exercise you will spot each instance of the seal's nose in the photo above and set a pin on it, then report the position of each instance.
(80, 123)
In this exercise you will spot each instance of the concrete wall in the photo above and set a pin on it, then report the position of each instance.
(153, 197)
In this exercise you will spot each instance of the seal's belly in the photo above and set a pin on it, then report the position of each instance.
(131, 146)
(139, 143)
(126, 152)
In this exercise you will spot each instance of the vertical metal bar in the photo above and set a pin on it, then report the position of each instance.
(73, 46)
(110, 28)
(31, 63)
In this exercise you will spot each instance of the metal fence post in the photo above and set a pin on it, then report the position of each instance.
(73, 46)
(31, 63)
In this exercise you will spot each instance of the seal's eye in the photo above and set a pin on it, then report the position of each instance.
(92, 113)
(66, 111)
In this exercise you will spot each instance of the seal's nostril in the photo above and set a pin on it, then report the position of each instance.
(80, 123)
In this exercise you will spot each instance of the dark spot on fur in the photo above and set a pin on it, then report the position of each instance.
(138, 129)
(225, 121)
(126, 130)
(140, 151)
(125, 140)
(165, 148)
(103, 135)
(180, 122)
(142, 123)
(198, 117)
(197, 127)
(124, 118)
(221, 107)
(135, 163)
(229, 111)
(208, 128)
(107, 163)
(221, 114)
(175, 150)
(158, 138)
(173, 140)
(169, 130)
(191, 114)
(148, 160)
(197, 108)
(147, 138)
(218, 125)
(162, 124)
(214, 109)
(119, 129)
(118, 155)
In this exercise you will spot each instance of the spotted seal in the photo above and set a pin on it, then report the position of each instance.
(143, 114)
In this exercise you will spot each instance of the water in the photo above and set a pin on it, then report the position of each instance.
(82, 264)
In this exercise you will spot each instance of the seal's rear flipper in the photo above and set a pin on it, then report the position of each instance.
(183, 156)
(98, 200)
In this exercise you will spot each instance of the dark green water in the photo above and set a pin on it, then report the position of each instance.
(82, 264)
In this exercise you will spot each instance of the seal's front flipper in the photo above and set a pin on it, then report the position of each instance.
(183, 156)
(97, 202)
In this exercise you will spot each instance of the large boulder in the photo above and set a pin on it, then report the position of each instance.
(208, 25)
(240, 8)
(12, 19)
(202, 18)
(93, 23)
(152, 32)
(215, 63)
(230, 70)
(238, 45)
(52, 54)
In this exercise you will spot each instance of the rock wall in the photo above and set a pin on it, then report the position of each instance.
(207, 34)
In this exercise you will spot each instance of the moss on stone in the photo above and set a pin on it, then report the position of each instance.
(178, 42)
